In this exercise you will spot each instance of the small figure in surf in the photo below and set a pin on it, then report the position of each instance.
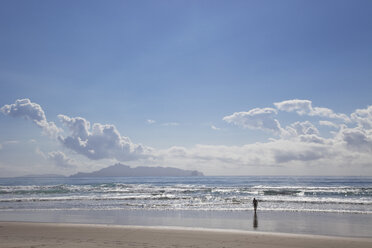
(255, 204)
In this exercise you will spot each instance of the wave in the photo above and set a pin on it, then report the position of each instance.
(186, 189)
(181, 197)
(171, 208)
(161, 196)
(93, 198)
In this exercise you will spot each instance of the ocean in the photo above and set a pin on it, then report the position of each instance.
(213, 202)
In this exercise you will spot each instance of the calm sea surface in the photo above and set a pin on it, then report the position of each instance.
(278, 194)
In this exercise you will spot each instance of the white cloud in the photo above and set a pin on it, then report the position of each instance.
(357, 139)
(99, 141)
(273, 153)
(301, 152)
(31, 111)
(149, 121)
(300, 128)
(258, 118)
(312, 138)
(304, 107)
(301, 107)
(285, 156)
(61, 160)
(363, 117)
(328, 124)
(298, 145)
(213, 127)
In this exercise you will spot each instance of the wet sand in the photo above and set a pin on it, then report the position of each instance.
(328, 224)
(22, 234)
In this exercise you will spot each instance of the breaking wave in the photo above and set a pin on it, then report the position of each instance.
(209, 193)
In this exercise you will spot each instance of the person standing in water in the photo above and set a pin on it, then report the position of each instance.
(255, 204)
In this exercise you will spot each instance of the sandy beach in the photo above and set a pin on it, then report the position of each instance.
(21, 234)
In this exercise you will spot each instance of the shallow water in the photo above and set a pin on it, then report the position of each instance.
(340, 206)
(299, 194)
(333, 224)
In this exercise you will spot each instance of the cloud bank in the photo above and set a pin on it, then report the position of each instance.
(329, 140)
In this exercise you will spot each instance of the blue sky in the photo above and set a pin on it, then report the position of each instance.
(187, 66)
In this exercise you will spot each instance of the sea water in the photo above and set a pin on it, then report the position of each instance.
(315, 205)
(301, 194)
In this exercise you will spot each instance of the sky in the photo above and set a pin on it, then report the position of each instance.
(223, 87)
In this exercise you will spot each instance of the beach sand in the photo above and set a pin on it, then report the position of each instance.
(21, 234)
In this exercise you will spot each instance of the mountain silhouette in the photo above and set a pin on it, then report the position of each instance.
(120, 170)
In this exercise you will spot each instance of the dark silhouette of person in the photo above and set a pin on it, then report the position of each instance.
(255, 221)
(255, 204)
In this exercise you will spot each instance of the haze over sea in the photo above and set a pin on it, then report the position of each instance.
(209, 200)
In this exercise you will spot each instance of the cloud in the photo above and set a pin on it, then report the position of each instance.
(300, 128)
(357, 139)
(149, 121)
(61, 160)
(312, 138)
(304, 107)
(298, 145)
(363, 117)
(328, 124)
(301, 152)
(258, 118)
(31, 111)
(275, 153)
(213, 127)
(303, 132)
(99, 141)
(301, 107)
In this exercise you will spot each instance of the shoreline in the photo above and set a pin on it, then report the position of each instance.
(328, 224)
(180, 228)
(20, 234)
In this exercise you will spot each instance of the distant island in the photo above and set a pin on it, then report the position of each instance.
(120, 170)
(44, 175)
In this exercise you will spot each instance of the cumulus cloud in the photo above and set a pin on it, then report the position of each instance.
(363, 117)
(304, 107)
(357, 139)
(328, 124)
(61, 160)
(299, 128)
(301, 107)
(149, 121)
(297, 144)
(302, 131)
(258, 118)
(99, 141)
(31, 111)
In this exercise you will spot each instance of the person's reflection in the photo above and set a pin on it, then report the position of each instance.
(255, 221)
